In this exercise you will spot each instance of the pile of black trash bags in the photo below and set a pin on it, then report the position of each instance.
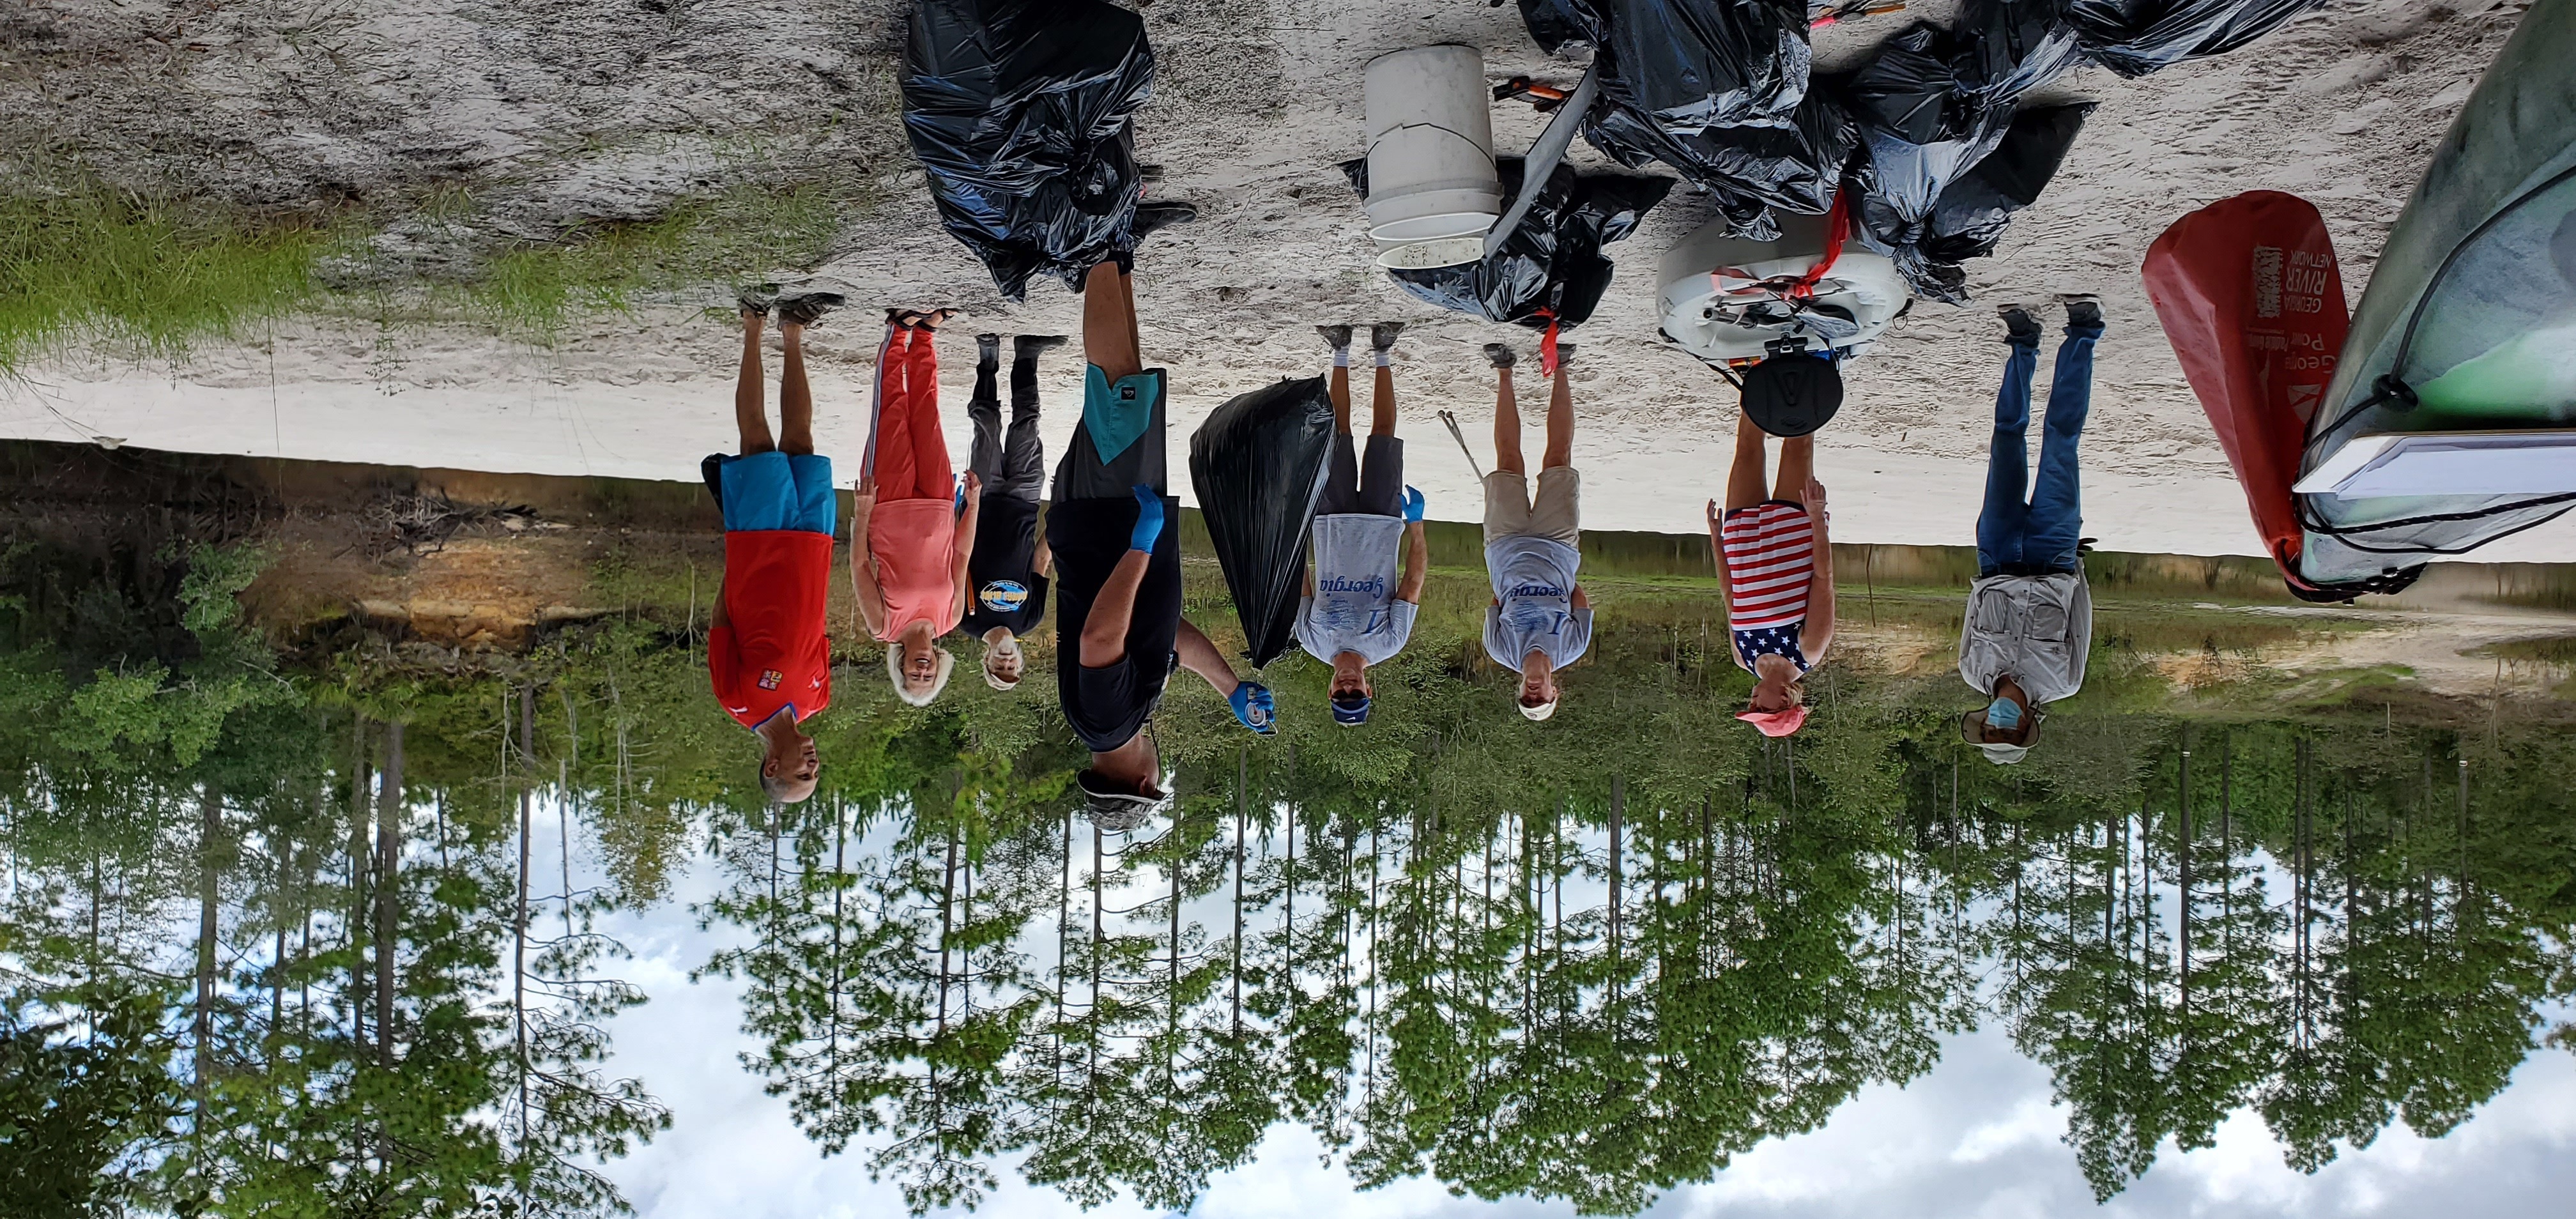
(1022, 114)
(1928, 136)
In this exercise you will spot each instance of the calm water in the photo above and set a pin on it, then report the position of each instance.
(302, 912)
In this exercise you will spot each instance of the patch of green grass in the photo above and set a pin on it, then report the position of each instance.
(90, 264)
(84, 264)
(530, 292)
(2553, 650)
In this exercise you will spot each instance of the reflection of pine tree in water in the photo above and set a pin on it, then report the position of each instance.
(367, 1024)
(1589, 972)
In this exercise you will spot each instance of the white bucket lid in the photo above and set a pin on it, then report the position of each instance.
(1424, 255)
(1433, 227)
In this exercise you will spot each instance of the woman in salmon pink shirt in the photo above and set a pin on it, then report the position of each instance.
(918, 528)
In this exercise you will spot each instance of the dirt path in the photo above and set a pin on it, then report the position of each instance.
(1257, 102)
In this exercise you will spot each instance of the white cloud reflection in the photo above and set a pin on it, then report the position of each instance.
(1977, 1137)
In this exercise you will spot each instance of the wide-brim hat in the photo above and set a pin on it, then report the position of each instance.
(1113, 807)
(1972, 728)
(1776, 723)
(1792, 395)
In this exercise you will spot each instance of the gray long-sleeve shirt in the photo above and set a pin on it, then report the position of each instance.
(2037, 629)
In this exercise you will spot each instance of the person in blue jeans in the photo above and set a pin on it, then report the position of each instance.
(2029, 622)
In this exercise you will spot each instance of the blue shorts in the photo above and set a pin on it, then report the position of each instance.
(775, 490)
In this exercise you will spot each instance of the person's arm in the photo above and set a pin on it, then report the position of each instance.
(863, 572)
(1104, 633)
(1200, 655)
(1819, 631)
(1417, 564)
(1725, 597)
(1251, 701)
(1043, 562)
(962, 540)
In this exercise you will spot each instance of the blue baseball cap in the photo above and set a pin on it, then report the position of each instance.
(1350, 710)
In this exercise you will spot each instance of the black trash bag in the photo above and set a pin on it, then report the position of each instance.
(1973, 212)
(2136, 37)
(1748, 170)
(1258, 465)
(1919, 133)
(1686, 65)
(1549, 268)
(1557, 24)
(1020, 110)
(2008, 47)
(1717, 89)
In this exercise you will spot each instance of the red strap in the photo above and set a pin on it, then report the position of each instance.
(1547, 345)
(1837, 230)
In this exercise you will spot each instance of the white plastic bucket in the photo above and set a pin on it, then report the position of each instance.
(1708, 278)
(1430, 146)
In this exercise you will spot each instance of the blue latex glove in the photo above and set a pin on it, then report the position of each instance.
(960, 505)
(1149, 520)
(1413, 505)
(1253, 707)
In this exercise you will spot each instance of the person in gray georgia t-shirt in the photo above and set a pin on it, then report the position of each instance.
(1539, 621)
(1358, 610)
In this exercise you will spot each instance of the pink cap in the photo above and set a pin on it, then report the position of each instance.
(1776, 723)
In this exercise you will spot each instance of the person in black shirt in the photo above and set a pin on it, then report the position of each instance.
(1118, 568)
(1007, 571)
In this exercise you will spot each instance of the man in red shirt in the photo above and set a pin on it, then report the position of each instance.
(767, 654)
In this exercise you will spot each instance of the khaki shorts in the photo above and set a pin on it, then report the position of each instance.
(1510, 513)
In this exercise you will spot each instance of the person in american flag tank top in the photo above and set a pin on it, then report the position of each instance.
(1777, 575)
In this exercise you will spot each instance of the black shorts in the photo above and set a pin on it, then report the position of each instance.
(1112, 703)
(1376, 489)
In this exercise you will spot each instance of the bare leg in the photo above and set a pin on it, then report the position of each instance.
(1560, 423)
(1507, 427)
(1797, 465)
(750, 416)
(795, 398)
(1744, 478)
(1381, 404)
(1339, 390)
(1135, 333)
(1109, 324)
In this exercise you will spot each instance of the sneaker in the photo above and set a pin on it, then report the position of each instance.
(1337, 337)
(1152, 218)
(1382, 335)
(1564, 354)
(806, 308)
(988, 348)
(2018, 321)
(1501, 355)
(1027, 346)
(2082, 308)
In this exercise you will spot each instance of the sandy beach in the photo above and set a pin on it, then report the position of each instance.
(2342, 106)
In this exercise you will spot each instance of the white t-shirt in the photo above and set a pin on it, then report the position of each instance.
(1534, 584)
(1354, 608)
